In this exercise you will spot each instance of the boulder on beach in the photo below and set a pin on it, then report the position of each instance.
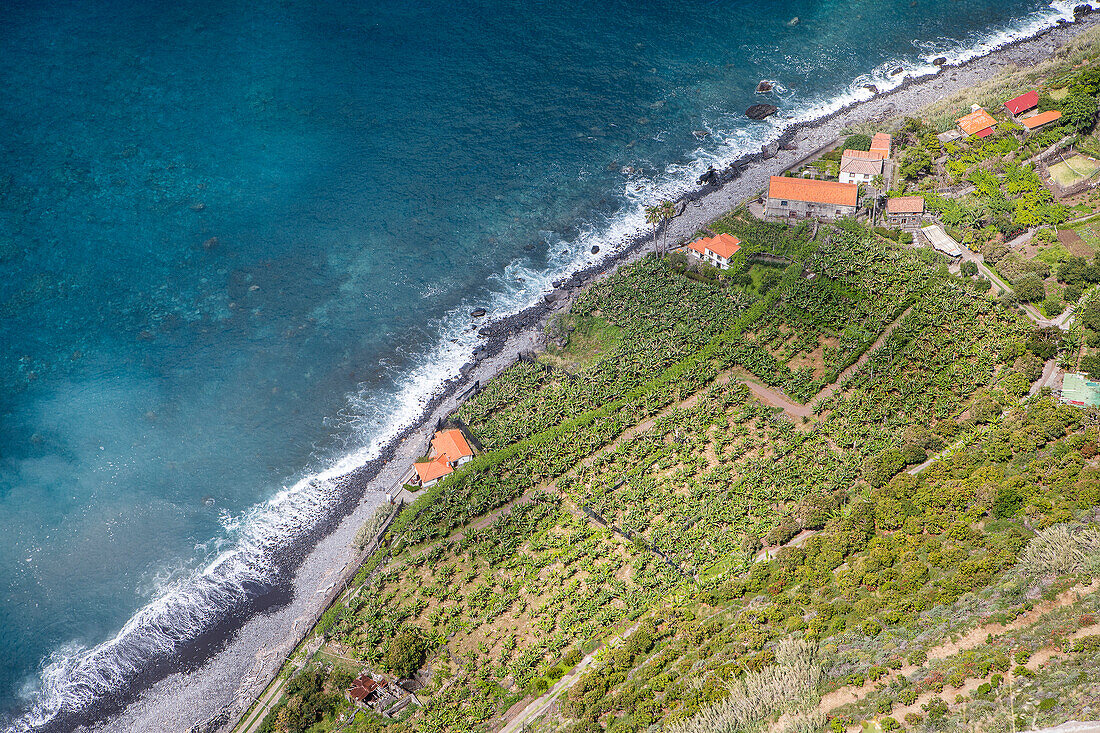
(477, 312)
(770, 150)
(939, 61)
(764, 86)
(710, 178)
(761, 111)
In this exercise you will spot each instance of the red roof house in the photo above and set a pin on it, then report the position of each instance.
(363, 688)
(452, 444)
(1023, 103)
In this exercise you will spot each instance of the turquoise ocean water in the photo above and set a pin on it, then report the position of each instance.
(239, 243)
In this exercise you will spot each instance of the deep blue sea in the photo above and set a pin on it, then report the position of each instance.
(239, 242)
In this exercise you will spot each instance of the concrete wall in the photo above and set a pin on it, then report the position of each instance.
(806, 210)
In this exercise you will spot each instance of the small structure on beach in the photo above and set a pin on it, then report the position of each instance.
(905, 212)
(941, 241)
(1041, 120)
(979, 122)
(881, 143)
(860, 166)
(1080, 390)
(805, 198)
(1019, 106)
(449, 449)
(715, 251)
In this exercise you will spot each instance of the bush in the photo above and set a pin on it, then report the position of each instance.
(889, 724)
(406, 652)
(1029, 288)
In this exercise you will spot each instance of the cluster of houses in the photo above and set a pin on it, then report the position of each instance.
(449, 450)
(809, 198)
(1023, 109)
(385, 697)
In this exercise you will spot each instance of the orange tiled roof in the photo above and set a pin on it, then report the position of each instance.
(433, 469)
(863, 154)
(975, 122)
(813, 191)
(452, 444)
(724, 245)
(881, 143)
(905, 205)
(1041, 119)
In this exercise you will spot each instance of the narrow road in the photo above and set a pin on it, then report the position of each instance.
(830, 389)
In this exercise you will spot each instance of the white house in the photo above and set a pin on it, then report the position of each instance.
(715, 251)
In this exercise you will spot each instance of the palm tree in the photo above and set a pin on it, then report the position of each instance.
(666, 210)
(653, 216)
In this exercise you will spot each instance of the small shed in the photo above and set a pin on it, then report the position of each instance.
(363, 688)
(940, 240)
(1022, 104)
(1041, 120)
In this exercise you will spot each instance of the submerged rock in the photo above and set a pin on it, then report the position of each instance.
(699, 134)
(210, 244)
(761, 111)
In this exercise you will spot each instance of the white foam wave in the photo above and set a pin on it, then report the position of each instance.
(75, 676)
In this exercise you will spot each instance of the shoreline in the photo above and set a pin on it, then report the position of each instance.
(216, 678)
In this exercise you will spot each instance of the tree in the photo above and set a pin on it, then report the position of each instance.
(653, 217)
(857, 142)
(1090, 365)
(1079, 110)
(969, 268)
(917, 161)
(666, 210)
(406, 652)
(1029, 288)
(1088, 314)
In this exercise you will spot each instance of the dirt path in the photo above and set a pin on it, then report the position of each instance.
(831, 389)
(541, 704)
(974, 638)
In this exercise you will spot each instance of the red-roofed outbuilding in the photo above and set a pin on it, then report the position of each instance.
(1023, 103)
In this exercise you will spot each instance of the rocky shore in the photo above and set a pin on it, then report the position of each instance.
(217, 679)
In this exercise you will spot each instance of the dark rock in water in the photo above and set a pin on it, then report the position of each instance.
(761, 111)
(793, 21)
(764, 86)
(477, 312)
(1079, 10)
(557, 283)
(710, 178)
(872, 87)
(896, 70)
(595, 249)
(466, 368)
(700, 134)
(939, 61)
(484, 330)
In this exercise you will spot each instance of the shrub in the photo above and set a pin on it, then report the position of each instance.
(1029, 288)
(406, 652)
(889, 724)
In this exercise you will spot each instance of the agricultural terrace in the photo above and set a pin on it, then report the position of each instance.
(640, 492)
